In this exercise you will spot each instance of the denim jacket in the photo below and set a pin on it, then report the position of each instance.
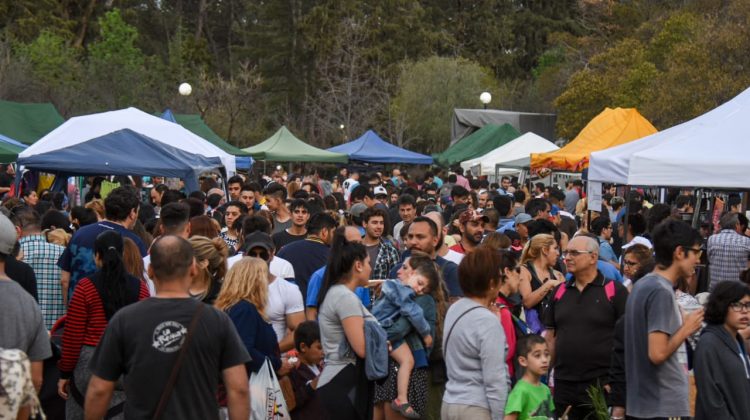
(397, 300)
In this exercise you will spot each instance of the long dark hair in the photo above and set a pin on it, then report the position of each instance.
(112, 276)
(341, 259)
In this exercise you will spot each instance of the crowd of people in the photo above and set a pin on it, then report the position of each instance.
(383, 295)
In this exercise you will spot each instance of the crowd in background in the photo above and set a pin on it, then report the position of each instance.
(494, 300)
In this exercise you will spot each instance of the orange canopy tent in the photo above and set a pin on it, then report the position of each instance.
(612, 127)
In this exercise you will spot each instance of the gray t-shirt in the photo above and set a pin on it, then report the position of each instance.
(22, 326)
(373, 251)
(340, 303)
(280, 226)
(654, 390)
(571, 199)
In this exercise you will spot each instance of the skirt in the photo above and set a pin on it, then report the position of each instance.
(418, 392)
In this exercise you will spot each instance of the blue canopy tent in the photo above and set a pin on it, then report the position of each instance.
(199, 127)
(371, 148)
(123, 152)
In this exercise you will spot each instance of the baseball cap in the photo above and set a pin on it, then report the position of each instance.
(554, 211)
(522, 218)
(357, 209)
(258, 240)
(471, 216)
(380, 190)
(8, 235)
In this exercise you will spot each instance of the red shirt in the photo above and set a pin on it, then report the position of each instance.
(506, 319)
(458, 248)
(85, 323)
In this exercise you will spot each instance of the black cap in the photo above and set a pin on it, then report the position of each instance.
(258, 239)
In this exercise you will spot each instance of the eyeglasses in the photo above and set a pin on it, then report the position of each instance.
(630, 263)
(698, 251)
(574, 253)
(739, 306)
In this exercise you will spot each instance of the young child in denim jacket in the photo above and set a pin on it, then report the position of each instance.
(401, 316)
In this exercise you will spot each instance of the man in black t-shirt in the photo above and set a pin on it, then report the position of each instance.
(143, 341)
(298, 230)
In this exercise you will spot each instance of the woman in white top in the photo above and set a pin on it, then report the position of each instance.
(341, 318)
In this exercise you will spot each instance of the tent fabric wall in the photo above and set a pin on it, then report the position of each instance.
(371, 148)
(481, 142)
(611, 127)
(283, 146)
(28, 122)
(518, 148)
(198, 126)
(707, 151)
(123, 152)
(467, 121)
(79, 129)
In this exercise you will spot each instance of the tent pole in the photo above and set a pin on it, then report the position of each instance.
(697, 209)
(625, 224)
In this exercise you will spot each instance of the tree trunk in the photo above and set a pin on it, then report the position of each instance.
(85, 24)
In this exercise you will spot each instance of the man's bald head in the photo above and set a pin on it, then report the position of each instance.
(351, 233)
(171, 258)
(589, 244)
(437, 218)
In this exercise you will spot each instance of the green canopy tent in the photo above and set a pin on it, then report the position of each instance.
(28, 123)
(478, 143)
(283, 146)
(8, 152)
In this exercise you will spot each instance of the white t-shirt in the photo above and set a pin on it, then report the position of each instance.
(149, 282)
(283, 298)
(279, 267)
(454, 257)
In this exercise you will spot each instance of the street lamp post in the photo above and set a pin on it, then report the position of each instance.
(485, 98)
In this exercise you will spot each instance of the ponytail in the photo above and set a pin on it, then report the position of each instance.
(341, 259)
(113, 275)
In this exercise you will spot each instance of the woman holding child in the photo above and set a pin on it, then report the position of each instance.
(474, 343)
(341, 319)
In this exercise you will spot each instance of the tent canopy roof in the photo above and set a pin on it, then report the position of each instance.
(9, 149)
(283, 146)
(123, 152)
(28, 123)
(611, 127)
(518, 148)
(198, 126)
(707, 151)
(80, 129)
(371, 148)
(477, 144)
(467, 121)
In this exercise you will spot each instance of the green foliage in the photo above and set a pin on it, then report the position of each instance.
(429, 90)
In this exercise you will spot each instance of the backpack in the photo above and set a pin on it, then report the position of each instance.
(609, 290)
(521, 330)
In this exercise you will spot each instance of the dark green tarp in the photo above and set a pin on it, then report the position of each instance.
(283, 146)
(479, 143)
(28, 123)
(195, 124)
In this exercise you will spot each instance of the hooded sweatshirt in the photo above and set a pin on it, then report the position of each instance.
(722, 376)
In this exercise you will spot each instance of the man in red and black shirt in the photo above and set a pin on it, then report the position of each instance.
(471, 225)
(580, 325)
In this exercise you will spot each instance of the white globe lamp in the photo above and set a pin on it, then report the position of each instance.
(485, 98)
(185, 89)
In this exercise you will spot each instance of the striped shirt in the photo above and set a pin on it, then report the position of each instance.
(85, 323)
(42, 256)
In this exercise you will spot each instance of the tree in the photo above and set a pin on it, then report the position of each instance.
(427, 93)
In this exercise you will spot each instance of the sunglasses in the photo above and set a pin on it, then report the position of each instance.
(258, 253)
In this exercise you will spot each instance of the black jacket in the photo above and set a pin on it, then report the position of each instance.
(722, 379)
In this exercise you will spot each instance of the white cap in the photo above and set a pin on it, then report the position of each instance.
(380, 190)
(8, 235)
(638, 240)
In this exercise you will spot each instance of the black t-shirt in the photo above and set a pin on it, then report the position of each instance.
(306, 257)
(22, 274)
(584, 324)
(280, 239)
(142, 342)
(6, 180)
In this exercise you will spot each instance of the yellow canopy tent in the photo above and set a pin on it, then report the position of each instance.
(612, 127)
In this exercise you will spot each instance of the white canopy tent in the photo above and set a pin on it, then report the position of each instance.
(707, 151)
(519, 148)
(80, 129)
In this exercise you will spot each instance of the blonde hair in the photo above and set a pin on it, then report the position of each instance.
(98, 206)
(248, 281)
(535, 246)
(57, 236)
(215, 251)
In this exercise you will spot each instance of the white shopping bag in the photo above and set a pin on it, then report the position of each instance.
(266, 400)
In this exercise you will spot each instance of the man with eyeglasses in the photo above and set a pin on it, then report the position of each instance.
(285, 308)
(655, 329)
(728, 251)
(580, 323)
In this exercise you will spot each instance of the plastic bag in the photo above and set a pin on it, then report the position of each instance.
(266, 399)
